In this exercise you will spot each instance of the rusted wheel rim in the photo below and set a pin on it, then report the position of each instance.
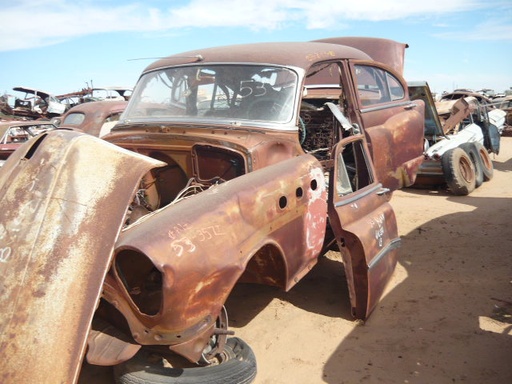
(485, 158)
(466, 169)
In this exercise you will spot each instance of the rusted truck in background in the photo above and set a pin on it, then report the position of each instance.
(239, 164)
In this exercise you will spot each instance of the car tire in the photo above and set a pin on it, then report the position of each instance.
(459, 171)
(473, 154)
(238, 365)
(486, 162)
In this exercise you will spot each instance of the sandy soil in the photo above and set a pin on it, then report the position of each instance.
(446, 315)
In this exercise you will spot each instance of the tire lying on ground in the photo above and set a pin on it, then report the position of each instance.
(237, 364)
(459, 171)
(473, 154)
(486, 162)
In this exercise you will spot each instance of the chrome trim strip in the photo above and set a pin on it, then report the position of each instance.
(393, 244)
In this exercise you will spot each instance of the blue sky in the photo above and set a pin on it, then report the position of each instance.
(62, 46)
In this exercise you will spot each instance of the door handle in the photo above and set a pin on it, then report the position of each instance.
(410, 106)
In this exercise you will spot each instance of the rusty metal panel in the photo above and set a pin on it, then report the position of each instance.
(290, 54)
(459, 110)
(396, 139)
(202, 246)
(365, 227)
(94, 114)
(63, 198)
(389, 52)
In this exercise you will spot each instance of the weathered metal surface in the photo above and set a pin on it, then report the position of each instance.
(395, 137)
(290, 54)
(458, 111)
(174, 269)
(63, 198)
(370, 252)
(94, 114)
(108, 345)
(204, 244)
(367, 234)
(389, 52)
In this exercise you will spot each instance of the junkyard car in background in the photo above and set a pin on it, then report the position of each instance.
(95, 118)
(37, 104)
(111, 93)
(13, 133)
(505, 104)
(245, 164)
(458, 142)
(447, 100)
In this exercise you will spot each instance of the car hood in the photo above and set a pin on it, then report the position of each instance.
(63, 199)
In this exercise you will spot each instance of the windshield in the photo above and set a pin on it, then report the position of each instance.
(215, 92)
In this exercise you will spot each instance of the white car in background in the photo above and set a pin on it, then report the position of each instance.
(458, 140)
(37, 104)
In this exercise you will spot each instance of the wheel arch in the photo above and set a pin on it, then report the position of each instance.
(266, 266)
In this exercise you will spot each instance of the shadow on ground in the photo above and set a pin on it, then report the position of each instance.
(449, 320)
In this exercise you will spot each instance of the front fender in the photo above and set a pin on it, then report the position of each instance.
(202, 245)
(63, 199)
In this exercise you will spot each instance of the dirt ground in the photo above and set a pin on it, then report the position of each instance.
(446, 315)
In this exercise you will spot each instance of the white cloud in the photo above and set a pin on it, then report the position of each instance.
(30, 24)
(495, 29)
(37, 23)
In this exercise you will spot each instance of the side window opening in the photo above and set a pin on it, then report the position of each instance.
(318, 129)
(353, 169)
(396, 90)
(376, 86)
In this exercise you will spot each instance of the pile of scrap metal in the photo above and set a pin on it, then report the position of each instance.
(5, 108)
(505, 104)
(37, 104)
(74, 98)
(13, 133)
(459, 136)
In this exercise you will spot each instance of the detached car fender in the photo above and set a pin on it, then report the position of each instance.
(265, 226)
(63, 200)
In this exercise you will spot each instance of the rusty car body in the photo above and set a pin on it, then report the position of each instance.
(264, 156)
(15, 132)
(95, 118)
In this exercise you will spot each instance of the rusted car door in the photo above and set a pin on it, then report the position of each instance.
(364, 224)
(63, 199)
(393, 124)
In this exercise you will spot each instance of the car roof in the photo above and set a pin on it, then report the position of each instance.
(95, 112)
(31, 91)
(101, 107)
(297, 54)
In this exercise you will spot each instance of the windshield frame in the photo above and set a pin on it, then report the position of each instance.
(288, 91)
